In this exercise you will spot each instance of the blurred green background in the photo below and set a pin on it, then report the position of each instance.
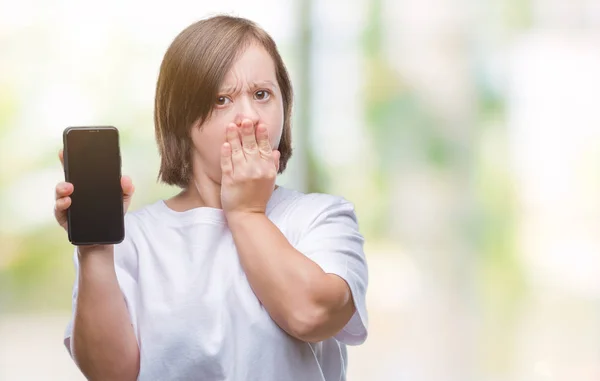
(467, 134)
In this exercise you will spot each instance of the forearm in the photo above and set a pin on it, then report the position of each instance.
(103, 341)
(300, 297)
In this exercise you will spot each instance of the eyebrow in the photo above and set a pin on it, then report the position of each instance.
(264, 84)
(233, 88)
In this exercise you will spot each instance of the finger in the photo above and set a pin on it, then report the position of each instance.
(63, 189)
(127, 186)
(61, 157)
(249, 138)
(60, 207)
(62, 204)
(233, 138)
(262, 137)
(226, 162)
(128, 190)
(276, 156)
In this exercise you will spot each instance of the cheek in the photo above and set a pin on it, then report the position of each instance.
(273, 118)
(275, 136)
(209, 139)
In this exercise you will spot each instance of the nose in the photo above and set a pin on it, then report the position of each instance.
(246, 110)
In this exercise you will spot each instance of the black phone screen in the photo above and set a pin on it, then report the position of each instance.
(93, 166)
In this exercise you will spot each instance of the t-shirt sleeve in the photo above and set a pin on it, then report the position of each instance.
(125, 259)
(334, 242)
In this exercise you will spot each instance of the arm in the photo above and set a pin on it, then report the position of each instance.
(302, 299)
(297, 287)
(101, 339)
(103, 343)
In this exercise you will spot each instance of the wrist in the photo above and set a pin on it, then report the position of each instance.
(237, 218)
(104, 253)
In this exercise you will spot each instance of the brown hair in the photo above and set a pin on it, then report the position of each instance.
(191, 72)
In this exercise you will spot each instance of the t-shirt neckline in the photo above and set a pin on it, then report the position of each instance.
(203, 213)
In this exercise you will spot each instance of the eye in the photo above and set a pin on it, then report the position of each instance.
(262, 95)
(222, 100)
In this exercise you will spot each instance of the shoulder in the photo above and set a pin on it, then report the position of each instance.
(141, 221)
(146, 212)
(150, 216)
(305, 210)
(312, 204)
(135, 222)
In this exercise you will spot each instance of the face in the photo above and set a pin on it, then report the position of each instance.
(249, 91)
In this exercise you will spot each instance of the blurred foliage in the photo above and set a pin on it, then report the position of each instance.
(517, 14)
(8, 110)
(404, 132)
(317, 179)
(382, 98)
(36, 272)
(500, 273)
(40, 278)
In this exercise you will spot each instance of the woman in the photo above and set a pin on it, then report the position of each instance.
(234, 278)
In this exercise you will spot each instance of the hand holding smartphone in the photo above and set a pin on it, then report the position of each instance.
(92, 201)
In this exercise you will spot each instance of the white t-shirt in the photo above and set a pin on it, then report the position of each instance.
(194, 314)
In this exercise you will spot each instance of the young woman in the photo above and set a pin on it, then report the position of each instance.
(234, 278)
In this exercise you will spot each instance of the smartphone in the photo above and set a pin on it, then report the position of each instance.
(92, 163)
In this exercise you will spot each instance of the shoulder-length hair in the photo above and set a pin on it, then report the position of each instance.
(191, 72)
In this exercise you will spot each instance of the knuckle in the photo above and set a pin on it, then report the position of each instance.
(240, 178)
(259, 174)
(250, 148)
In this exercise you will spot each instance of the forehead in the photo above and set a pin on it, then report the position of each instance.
(253, 64)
